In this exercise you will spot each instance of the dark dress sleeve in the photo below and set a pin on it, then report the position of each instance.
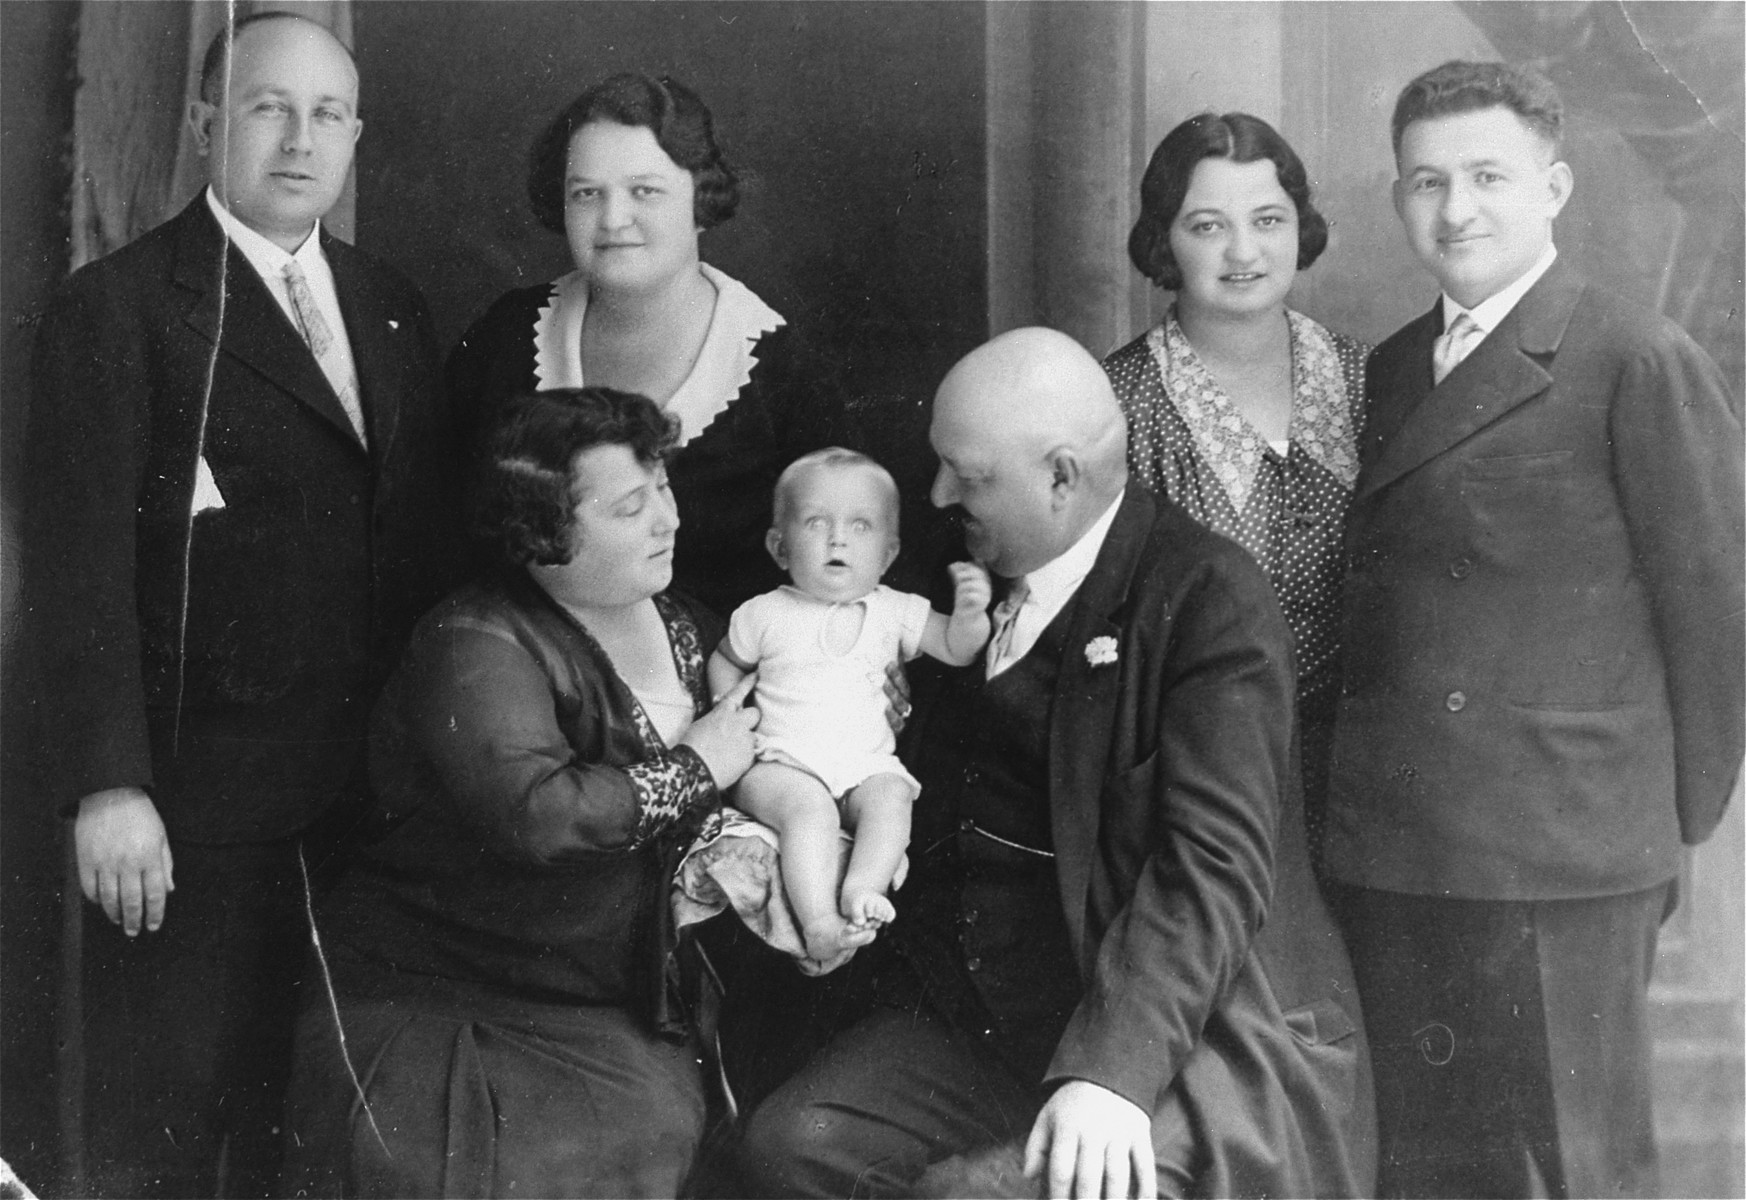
(481, 709)
(494, 360)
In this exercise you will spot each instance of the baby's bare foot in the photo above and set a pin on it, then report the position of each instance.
(867, 909)
(830, 936)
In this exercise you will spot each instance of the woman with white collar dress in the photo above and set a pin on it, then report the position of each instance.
(631, 174)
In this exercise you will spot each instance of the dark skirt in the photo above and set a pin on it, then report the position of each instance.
(463, 1092)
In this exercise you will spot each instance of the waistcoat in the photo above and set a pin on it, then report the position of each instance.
(988, 869)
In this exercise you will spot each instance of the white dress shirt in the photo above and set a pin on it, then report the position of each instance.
(269, 259)
(1493, 309)
(1051, 586)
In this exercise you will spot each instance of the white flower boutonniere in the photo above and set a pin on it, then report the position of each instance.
(1100, 651)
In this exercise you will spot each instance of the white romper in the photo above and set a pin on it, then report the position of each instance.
(821, 711)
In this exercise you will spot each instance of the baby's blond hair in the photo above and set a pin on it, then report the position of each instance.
(830, 458)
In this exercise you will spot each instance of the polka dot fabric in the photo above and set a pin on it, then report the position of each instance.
(1188, 441)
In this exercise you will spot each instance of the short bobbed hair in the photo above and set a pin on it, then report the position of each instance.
(1240, 138)
(525, 497)
(665, 107)
(831, 458)
(1463, 87)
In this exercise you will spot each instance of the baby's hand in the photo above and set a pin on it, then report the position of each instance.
(972, 589)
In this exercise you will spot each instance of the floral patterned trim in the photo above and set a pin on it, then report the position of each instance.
(687, 644)
(1321, 411)
(672, 782)
(724, 365)
(668, 789)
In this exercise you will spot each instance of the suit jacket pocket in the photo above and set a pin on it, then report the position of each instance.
(1516, 466)
(1327, 1038)
(1320, 1022)
(1138, 779)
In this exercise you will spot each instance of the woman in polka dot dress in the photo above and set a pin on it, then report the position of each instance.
(1241, 411)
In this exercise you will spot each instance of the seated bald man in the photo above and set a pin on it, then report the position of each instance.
(1114, 975)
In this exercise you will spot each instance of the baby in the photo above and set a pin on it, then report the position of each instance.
(821, 647)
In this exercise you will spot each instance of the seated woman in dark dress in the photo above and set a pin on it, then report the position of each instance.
(630, 173)
(501, 958)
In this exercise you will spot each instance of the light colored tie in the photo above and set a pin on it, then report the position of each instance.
(315, 331)
(1005, 621)
(1453, 345)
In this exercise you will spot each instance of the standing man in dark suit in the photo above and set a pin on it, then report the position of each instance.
(1113, 972)
(1543, 691)
(238, 475)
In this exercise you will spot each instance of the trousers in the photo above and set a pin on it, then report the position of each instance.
(897, 1091)
(1510, 1041)
(188, 1030)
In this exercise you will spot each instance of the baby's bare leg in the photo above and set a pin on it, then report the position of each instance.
(877, 812)
(800, 809)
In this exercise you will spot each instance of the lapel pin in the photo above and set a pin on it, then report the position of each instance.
(1100, 651)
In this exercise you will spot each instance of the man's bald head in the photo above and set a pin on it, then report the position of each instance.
(212, 67)
(1032, 446)
(1040, 388)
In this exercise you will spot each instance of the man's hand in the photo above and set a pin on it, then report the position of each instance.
(124, 857)
(1095, 1144)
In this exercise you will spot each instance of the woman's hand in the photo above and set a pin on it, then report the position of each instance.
(722, 736)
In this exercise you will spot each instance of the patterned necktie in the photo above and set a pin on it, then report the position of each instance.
(1453, 345)
(316, 332)
(1005, 620)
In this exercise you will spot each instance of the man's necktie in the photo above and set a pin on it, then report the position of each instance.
(1453, 345)
(1005, 620)
(315, 331)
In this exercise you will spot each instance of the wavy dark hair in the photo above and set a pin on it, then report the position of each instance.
(665, 107)
(1233, 135)
(525, 496)
(1458, 86)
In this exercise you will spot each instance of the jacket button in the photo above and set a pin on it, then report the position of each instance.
(973, 964)
(1456, 701)
(966, 824)
(971, 916)
(355, 499)
(1461, 568)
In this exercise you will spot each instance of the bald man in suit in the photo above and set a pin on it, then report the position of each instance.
(1113, 973)
(238, 486)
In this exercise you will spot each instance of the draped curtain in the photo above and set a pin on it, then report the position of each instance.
(1668, 80)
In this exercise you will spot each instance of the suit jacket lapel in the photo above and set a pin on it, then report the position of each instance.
(251, 326)
(1082, 716)
(375, 353)
(1503, 372)
(1399, 387)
